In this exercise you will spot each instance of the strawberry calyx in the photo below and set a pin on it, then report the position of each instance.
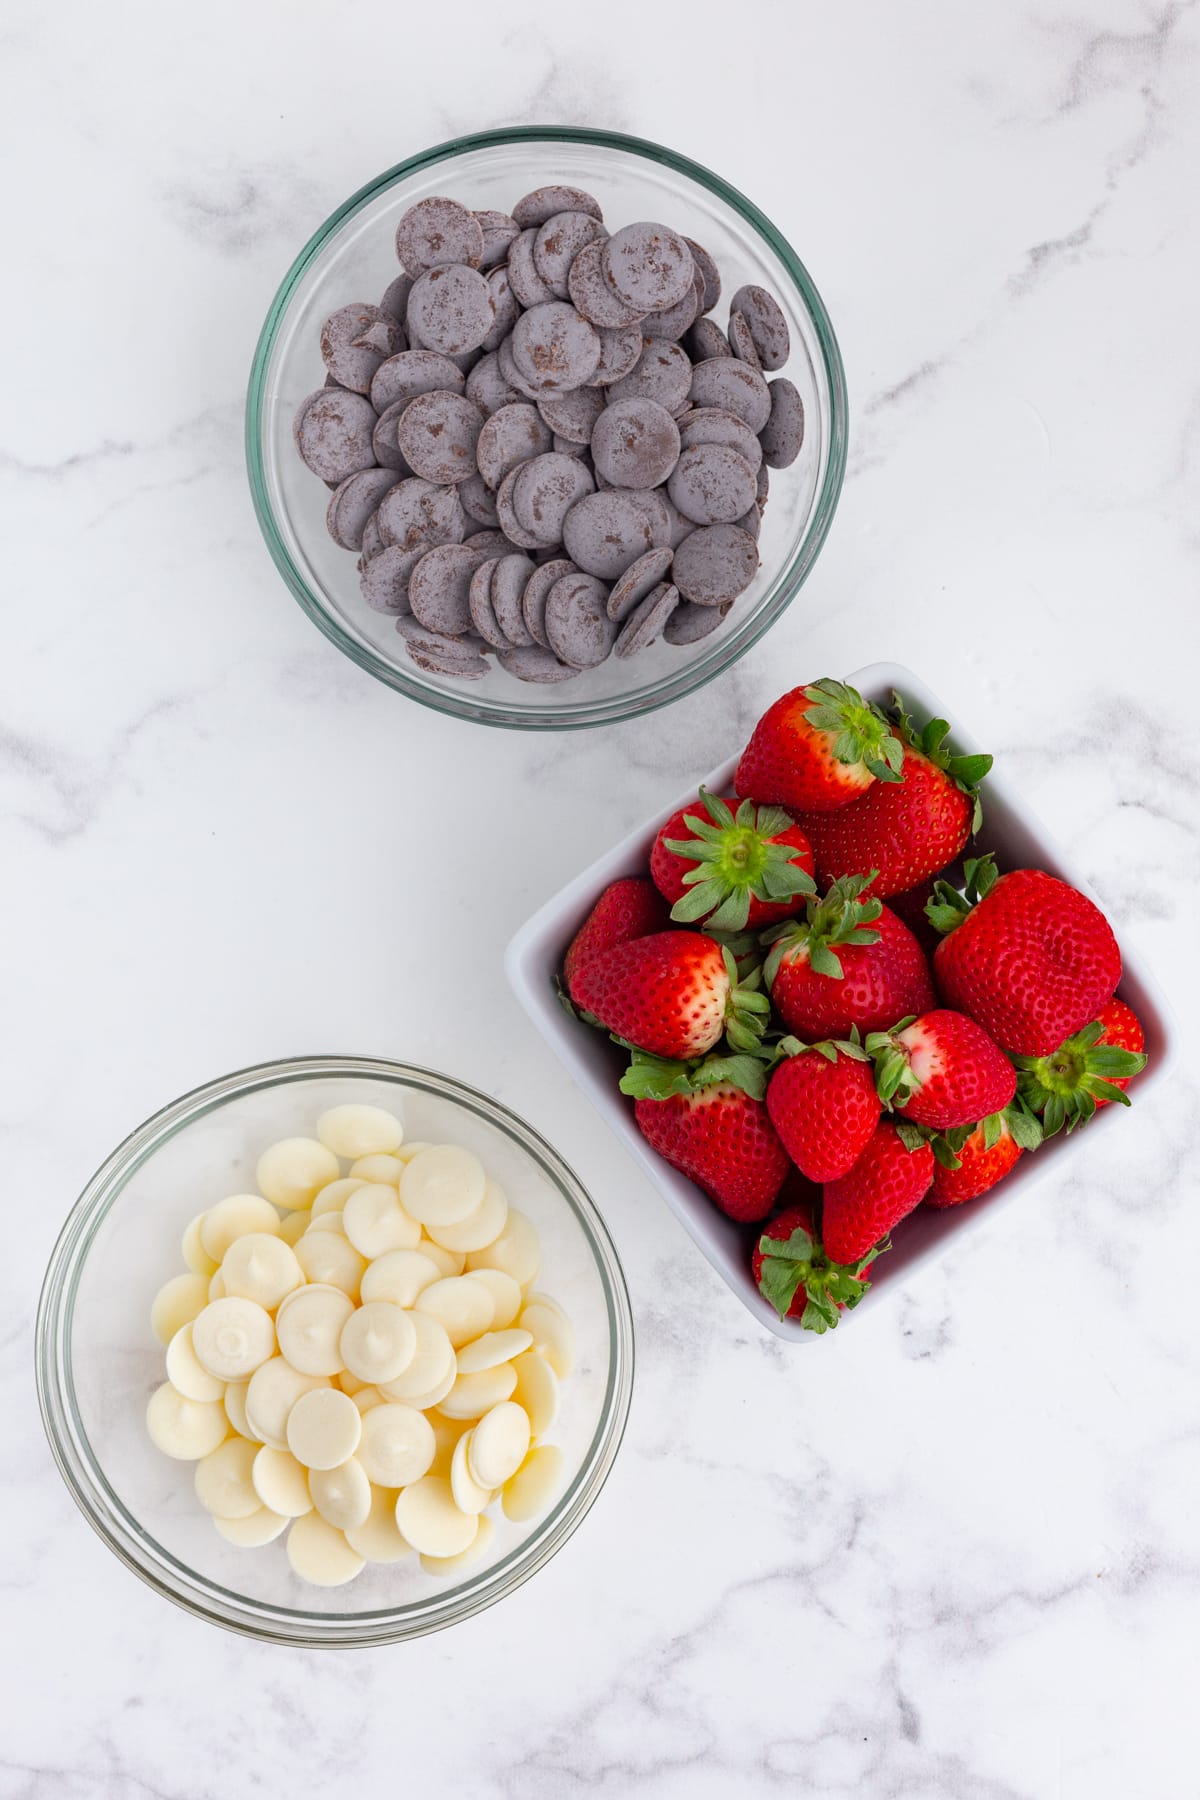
(966, 772)
(743, 946)
(735, 861)
(860, 731)
(799, 1261)
(747, 1010)
(650, 1077)
(1024, 1127)
(948, 906)
(839, 918)
(895, 1082)
(829, 1048)
(1063, 1087)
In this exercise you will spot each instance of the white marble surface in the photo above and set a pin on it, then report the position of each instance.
(952, 1555)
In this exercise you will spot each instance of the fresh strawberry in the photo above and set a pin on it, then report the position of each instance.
(823, 1104)
(1090, 1069)
(818, 747)
(709, 1122)
(883, 1187)
(732, 869)
(1122, 1030)
(673, 993)
(849, 962)
(793, 1271)
(969, 1159)
(941, 1070)
(910, 907)
(1029, 957)
(630, 908)
(983, 1158)
(908, 830)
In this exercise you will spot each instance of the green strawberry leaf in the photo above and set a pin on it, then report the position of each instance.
(820, 1315)
(887, 766)
(895, 1082)
(823, 961)
(650, 1077)
(969, 771)
(740, 1071)
(1109, 1060)
(948, 906)
(699, 902)
(965, 771)
(655, 1077)
(1055, 1115)
(785, 1266)
(1024, 1127)
(1097, 1089)
(913, 1136)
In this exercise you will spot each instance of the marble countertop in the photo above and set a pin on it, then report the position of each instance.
(951, 1555)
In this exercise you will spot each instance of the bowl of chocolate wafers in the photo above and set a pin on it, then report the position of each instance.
(546, 427)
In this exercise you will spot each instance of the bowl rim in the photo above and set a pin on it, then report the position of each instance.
(703, 669)
(170, 1576)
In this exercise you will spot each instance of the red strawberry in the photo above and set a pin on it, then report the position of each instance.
(910, 907)
(672, 993)
(795, 1274)
(630, 908)
(850, 962)
(942, 1070)
(732, 870)
(704, 1122)
(823, 1104)
(817, 747)
(908, 830)
(980, 1164)
(1122, 1030)
(883, 1187)
(1029, 957)
(1090, 1069)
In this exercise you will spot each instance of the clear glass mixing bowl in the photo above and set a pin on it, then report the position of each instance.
(352, 257)
(98, 1361)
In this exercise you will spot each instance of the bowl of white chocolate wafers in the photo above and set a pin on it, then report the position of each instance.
(334, 1351)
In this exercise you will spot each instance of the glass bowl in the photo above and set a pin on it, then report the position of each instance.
(98, 1361)
(352, 257)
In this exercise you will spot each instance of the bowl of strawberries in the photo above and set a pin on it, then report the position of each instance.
(842, 999)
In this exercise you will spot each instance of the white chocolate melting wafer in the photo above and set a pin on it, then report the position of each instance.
(359, 1130)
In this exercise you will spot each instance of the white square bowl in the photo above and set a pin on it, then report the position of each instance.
(535, 957)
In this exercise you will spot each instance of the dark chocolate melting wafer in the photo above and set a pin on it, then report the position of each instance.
(435, 231)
